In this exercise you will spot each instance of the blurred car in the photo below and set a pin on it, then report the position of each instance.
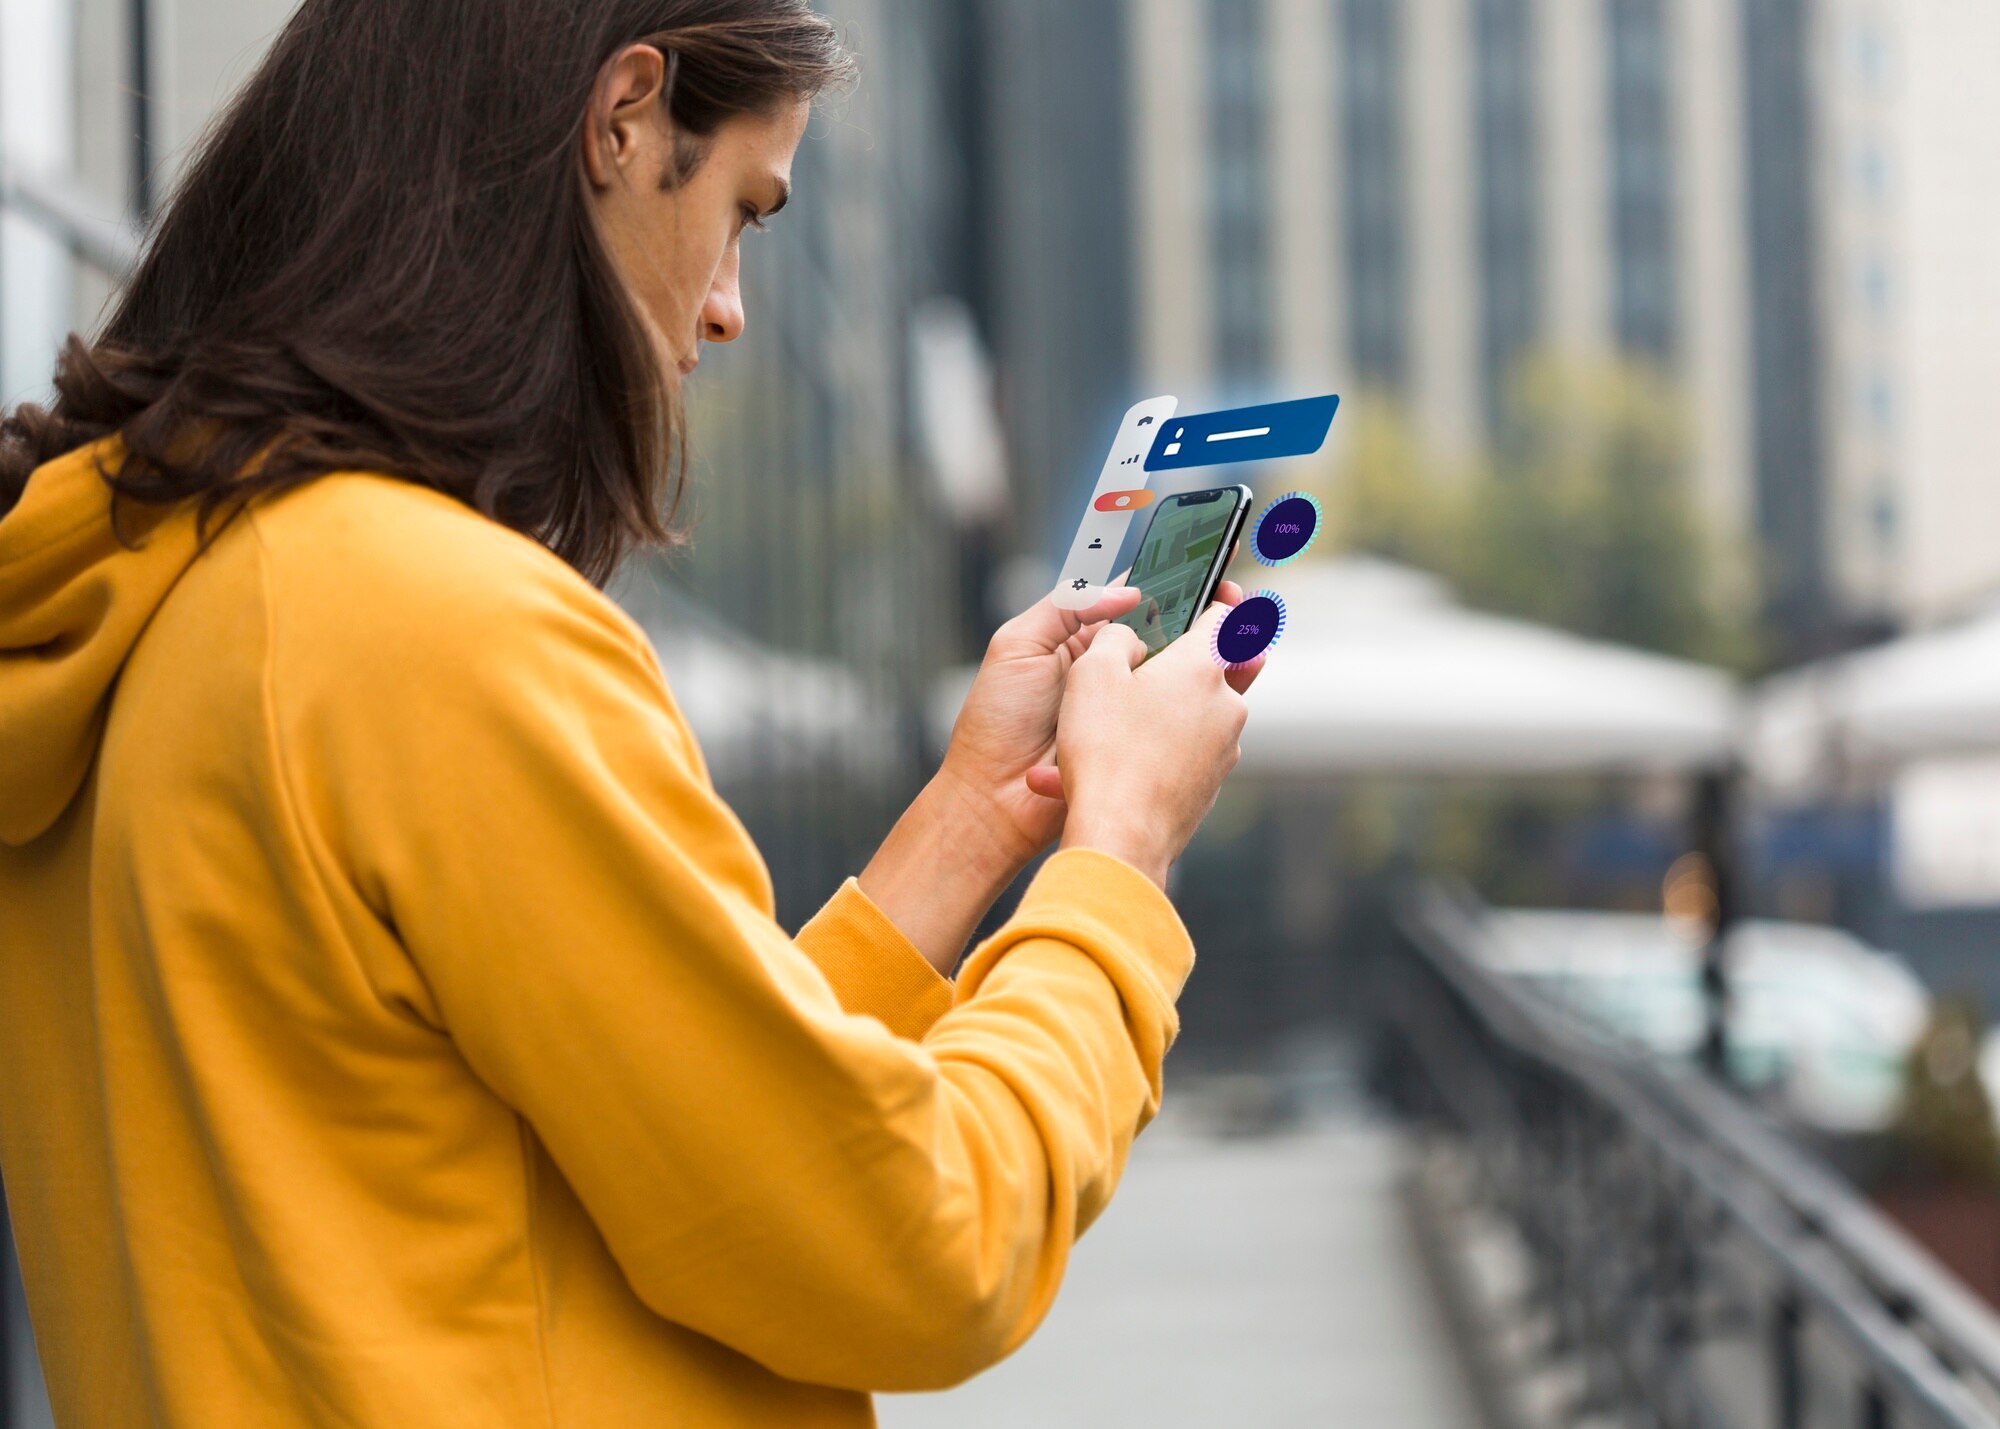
(1820, 1025)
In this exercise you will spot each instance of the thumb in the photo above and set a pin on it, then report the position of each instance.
(1044, 626)
(1118, 643)
(1114, 602)
(1046, 780)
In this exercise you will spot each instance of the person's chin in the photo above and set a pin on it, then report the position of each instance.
(674, 375)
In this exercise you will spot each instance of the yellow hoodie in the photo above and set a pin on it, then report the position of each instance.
(394, 1029)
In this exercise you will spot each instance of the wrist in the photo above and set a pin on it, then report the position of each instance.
(1121, 839)
(971, 817)
(938, 871)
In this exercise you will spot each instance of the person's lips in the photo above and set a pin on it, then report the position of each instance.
(689, 363)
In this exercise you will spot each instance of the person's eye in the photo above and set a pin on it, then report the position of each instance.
(751, 219)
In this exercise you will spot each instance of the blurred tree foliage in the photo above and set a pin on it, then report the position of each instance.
(1583, 516)
(1390, 497)
(1945, 1121)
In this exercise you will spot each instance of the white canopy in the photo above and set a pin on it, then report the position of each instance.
(1937, 693)
(1379, 670)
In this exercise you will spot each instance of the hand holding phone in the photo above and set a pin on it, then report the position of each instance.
(1186, 548)
(1144, 743)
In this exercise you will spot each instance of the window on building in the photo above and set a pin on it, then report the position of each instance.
(1870, 49)
(1876, 291)
(1883, 513)
(1368, 48)
(1508, 189)
(1239, 190)
(1871, 170)
(1642, 178)
(1878, 397)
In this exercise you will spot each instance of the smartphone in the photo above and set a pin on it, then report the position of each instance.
(1181, 559)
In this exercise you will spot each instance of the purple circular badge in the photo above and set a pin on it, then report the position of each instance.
(1286, 528)
(1247, 629)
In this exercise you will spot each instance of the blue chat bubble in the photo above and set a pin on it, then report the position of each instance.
(1276, 429)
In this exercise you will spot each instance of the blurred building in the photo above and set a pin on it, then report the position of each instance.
(1047, 117)
(1918, 156)
(822, 527)
(1404, 197)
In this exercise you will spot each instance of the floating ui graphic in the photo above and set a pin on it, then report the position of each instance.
(1151, 437)
(1120, 491)
(1286, 528)
(1248, 628)
(1276, 429)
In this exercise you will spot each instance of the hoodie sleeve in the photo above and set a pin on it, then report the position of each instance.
(871, 965)
(816, 1151)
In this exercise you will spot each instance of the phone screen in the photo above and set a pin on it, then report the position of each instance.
(1174, 560)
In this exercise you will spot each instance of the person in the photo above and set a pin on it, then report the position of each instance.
(394, 1026)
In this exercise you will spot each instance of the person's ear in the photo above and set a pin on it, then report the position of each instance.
(624, 103)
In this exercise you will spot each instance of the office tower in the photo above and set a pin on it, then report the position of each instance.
(1786, 235)
(1909, 182)
(1048, 233)
(1457, 183)
(1405, 197)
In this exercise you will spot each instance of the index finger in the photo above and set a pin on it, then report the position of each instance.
(1200, 634)
(1115, 642)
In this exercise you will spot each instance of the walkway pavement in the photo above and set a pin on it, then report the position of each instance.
(1268, 1281)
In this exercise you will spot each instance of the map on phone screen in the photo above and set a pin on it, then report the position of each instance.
(1172, 564)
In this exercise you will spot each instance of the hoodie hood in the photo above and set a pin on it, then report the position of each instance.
(74, 601)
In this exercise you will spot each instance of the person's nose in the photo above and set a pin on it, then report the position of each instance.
(722, 310)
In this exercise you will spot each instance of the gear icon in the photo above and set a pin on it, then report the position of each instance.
(1078, 584)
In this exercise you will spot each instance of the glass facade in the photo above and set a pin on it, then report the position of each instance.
(1044, 220)
(1644, 299)
(1240, 196)
(1368, 47)
(1506, 145)
(1784, 325)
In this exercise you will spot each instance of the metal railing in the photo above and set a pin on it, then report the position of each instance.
(1694, 1267)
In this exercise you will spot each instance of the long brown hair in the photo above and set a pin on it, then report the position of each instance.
(383, 258)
